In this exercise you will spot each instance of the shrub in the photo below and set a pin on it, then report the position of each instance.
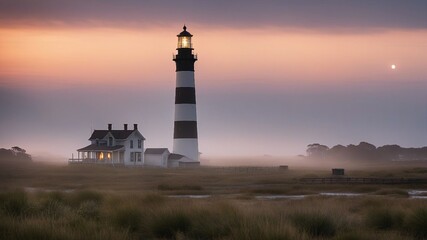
(314, 224)
(417, 223)
(127, 218)
(384, 219)
(168, 224)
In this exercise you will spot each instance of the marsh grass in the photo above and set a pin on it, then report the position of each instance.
(417, 223)
(14, 204)
(87, 202)
(314, 224)
(384, 218)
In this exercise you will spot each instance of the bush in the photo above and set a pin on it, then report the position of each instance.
(168, 224)
(127, 218)
(417, 223)
(384, 219)
(314, 224)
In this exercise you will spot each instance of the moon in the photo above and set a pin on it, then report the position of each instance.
(393, 66)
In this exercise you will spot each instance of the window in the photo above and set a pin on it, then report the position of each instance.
(131, 143)
(132, 157)
(138, 156)
(139, 143)
(110, 141)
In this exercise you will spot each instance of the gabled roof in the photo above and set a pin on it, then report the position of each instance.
(94, 147)
(117, 134)
(156, 150)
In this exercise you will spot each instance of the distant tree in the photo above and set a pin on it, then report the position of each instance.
(317, 150)
(365, 151)
(338, 151)
(390, 152)
(15, 154)
(366, 146)
(6, 153)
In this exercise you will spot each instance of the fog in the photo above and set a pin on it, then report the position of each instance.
(233, 120)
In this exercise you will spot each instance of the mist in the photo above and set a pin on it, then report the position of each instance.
(234, 120)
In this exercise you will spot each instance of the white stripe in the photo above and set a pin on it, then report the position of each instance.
(185, 112)
(185, 79)
(188, 147)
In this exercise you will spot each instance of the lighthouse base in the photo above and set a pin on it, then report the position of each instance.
(188, 147)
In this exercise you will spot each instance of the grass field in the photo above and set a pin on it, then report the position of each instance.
(42, 201)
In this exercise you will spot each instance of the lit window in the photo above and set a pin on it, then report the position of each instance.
(101, 155)
(131, 143)
(109, 155)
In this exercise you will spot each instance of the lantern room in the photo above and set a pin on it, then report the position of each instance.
(184, 39)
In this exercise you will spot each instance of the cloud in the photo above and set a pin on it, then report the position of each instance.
(311, 14)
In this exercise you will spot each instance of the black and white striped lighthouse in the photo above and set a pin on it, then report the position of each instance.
(185, 127)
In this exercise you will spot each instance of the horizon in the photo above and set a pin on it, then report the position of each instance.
(270, 79)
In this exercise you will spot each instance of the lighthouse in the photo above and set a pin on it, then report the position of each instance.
(185, 126)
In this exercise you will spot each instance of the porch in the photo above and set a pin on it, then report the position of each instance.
(94, 154)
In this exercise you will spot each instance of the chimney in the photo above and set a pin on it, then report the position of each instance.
(125, 126)
(135, 126)
(110, 127)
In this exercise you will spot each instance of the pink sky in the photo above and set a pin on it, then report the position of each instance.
(271, 78)
(53, 57)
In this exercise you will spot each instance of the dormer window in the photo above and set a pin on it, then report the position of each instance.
(110, 141)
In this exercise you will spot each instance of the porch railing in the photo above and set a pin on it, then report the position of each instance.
(91, 161)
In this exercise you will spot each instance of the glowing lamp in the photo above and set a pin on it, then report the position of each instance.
(184, 39)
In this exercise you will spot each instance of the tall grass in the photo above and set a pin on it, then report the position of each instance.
(384, 218)
(314, 224)
(138, 206)
(417, 223)
(97, 215)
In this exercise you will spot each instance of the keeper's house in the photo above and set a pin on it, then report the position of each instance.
(122, 147)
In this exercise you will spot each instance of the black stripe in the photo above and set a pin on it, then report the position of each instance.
(185, 129)
(185, 95)
(185, 60)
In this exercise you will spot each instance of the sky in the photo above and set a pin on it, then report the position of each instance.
(272, 76)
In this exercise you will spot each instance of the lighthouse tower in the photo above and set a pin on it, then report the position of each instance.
(185, 127)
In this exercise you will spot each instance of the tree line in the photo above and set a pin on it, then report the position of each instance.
(15, 154)
(366, 151)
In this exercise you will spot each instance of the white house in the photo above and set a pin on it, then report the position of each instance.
(124, 147)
